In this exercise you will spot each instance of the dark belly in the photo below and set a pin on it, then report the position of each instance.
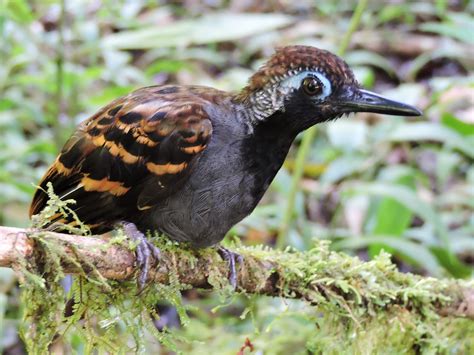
(204, 210)
(226, 185)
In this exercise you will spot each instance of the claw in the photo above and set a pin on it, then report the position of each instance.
(231, 258)
(145, 251)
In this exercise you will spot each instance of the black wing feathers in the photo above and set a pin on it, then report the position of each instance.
(130, 155)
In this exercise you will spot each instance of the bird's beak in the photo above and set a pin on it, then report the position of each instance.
(366, 101)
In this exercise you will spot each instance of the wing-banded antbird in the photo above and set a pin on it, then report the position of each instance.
(191, 161)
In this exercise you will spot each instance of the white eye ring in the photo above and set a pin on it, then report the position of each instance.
(295, 82)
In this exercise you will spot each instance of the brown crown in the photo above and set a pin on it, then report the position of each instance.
(296, 58)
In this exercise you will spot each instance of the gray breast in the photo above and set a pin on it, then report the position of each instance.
(216, 195)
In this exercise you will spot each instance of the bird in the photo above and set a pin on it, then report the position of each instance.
(190, 162)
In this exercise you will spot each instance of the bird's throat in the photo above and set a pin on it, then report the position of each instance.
(264, 153)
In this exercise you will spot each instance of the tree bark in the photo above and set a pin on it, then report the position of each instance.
(263, 271)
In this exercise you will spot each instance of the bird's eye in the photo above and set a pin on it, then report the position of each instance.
(312, 86)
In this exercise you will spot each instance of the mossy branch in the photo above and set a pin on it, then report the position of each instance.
(332, 281)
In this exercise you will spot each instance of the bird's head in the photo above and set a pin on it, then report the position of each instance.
(307, 85)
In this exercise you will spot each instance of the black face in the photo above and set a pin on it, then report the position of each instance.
(315, 99)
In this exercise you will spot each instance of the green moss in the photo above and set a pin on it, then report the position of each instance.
(351, 306)
(104, 314)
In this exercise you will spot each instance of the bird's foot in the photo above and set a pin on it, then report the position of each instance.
(231, 258)
(147, 254)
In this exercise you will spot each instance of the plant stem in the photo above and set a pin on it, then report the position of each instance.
(309, 135)
(59, 77)
(355, 21)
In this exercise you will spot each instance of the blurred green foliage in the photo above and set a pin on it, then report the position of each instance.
(372, 182)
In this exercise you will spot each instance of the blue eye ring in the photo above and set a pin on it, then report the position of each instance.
(295, 81)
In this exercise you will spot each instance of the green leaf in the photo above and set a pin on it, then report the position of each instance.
(391, 217)
(450, 50)
(211, 28)
(450, 121)
(446, 163)
(341, 168)
(165, 66)
(456, 267)
(364, 75)
(18, 10)
(348, 135)
(427, 131)
(109, 94)
(356, 58)
(417, 253)
(6, 104)
(393, 12)
(460, 31)
(407, 198)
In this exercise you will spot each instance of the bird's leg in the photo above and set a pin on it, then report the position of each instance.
(231, 258)
(145, 251)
